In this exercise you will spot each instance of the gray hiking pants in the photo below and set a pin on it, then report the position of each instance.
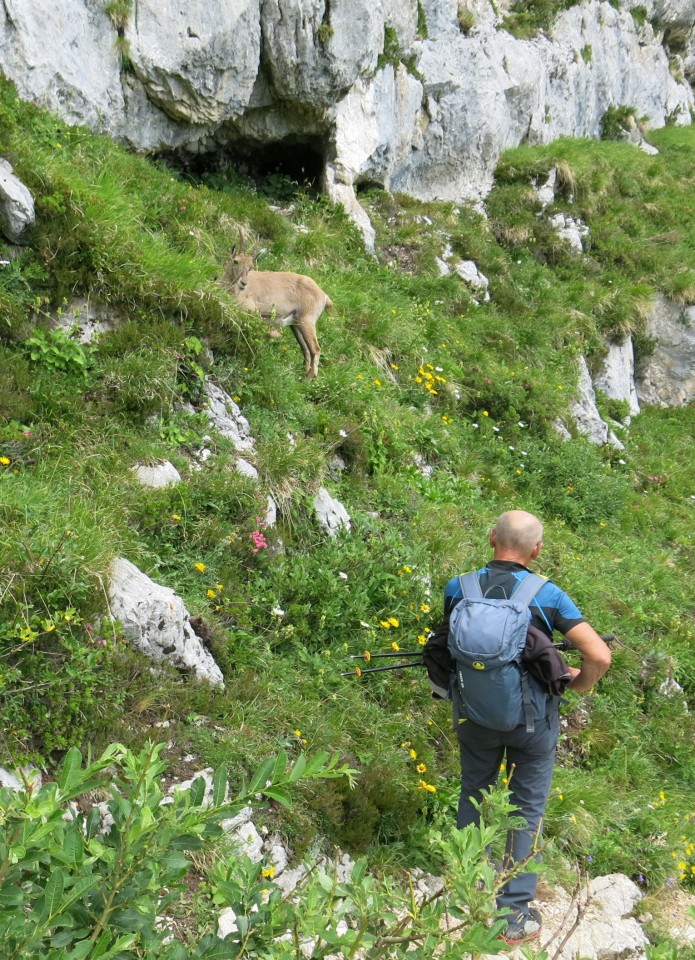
(532, 755)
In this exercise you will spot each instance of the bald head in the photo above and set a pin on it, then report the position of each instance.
(517, 535)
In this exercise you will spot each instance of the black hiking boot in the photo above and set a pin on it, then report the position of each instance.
(522, 927)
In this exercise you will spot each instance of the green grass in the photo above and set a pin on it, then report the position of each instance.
(411, 367)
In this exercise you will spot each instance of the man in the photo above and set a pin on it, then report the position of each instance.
(517, 539)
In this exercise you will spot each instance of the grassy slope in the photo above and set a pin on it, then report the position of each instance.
(618, 528)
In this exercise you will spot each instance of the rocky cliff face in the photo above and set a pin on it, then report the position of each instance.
(306, 74)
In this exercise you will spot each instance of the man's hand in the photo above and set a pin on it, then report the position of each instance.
(596, 657)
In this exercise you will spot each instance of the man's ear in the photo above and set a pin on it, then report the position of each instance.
(493, 537)
(536, 550)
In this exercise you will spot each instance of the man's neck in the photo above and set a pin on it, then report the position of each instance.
(511, 557)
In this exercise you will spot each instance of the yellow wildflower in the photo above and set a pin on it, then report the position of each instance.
(421, 768)
(297, 733)
(394, 622)
(413, 754)
(200, 566)
(385, 624)
(4, 461)
(269, 872)
(425, 607)
(394, 646)
(422, 639)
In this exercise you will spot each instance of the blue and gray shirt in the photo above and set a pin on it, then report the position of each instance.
(551, 608)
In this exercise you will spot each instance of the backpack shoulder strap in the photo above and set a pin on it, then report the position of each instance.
(470, 586)
(528, 588)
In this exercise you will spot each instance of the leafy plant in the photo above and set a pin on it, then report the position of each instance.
(57, 351)
(83, 887)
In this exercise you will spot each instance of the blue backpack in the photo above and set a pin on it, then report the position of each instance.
(486, 640)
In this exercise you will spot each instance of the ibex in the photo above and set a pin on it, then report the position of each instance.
(282, 299)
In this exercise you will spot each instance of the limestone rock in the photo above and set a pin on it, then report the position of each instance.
(224, 414)
(586, 415)
(570, 229)
(270, 516)
(86, 319)
(156, 622)
(197, 63)
(246, 469)
(248, 840)
(306, 74)
(317, 55)
(156, 476)
(546, 191)
(617, 375)
(19, 779)
(475, 279)
(667, 377)
(226, 923)
(16, 204)
(331, 515)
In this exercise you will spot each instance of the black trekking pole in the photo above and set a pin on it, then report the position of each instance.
(367, 656)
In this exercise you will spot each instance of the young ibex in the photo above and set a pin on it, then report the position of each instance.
(282, 299)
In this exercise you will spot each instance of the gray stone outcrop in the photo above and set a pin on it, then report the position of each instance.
(85, 319)
(155, 621)
(616, 378)
(204, 77)
(224, 414)
(586, 415)
(667, 377)
(16, 204)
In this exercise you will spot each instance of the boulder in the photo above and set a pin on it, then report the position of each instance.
(474, 278)
(155, 621)
(330, 514)
(16, 205)
(246, 469)
(158, 475)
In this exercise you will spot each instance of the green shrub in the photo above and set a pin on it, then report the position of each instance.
(573, 483)
(615, 122)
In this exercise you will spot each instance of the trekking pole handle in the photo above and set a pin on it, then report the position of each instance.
(567, 645)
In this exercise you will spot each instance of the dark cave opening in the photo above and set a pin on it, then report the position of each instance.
(282, 167)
